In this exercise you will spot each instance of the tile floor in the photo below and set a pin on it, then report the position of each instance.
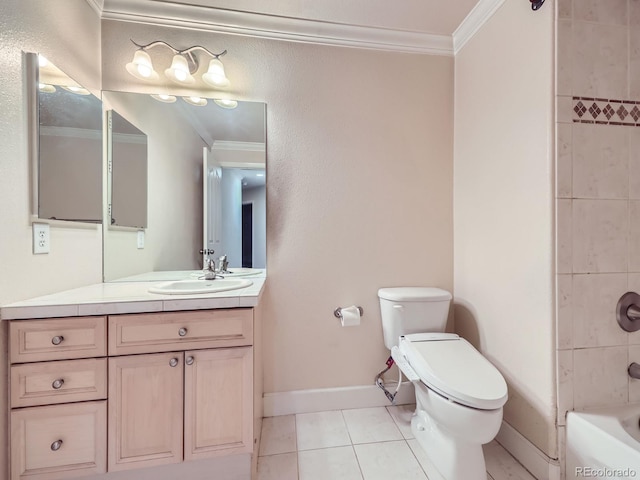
(360, 444)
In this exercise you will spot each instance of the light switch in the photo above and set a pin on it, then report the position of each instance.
(140, 238)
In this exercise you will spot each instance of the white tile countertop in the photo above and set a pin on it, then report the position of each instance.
(127, 297)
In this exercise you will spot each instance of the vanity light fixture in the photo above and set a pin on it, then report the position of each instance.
(225, 103)
(183, 66)
(197, 101)
(163, 97)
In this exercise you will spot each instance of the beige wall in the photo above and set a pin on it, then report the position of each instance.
(503, 210)
(359, 161)
(597, 202)
(75, 258)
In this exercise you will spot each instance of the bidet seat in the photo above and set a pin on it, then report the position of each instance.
(453, 368)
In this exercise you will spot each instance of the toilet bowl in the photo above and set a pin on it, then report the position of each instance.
(459, 393)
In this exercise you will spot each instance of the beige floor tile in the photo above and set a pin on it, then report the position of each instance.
(278, 435)
(278, 467)
(337, 463)
(368, 425)
(321, 430)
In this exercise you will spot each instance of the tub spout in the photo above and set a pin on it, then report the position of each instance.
(634, 370)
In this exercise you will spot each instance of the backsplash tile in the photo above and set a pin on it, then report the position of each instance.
(604, 111)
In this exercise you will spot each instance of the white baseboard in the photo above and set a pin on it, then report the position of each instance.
(340, 398)
(531, 457)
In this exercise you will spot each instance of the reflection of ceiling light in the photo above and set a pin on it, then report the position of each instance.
(224, 103)
(43, 87)
(197, 101)
(161, 97)
(183, 65)
(76, 90)
(259, 174)
(42, 61)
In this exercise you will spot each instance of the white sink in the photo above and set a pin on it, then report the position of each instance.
(191, 287)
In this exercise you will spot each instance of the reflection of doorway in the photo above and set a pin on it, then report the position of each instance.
(247, 235)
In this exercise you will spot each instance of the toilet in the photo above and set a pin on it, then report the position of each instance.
(459, 393)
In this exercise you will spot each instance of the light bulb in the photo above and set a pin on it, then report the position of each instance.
(215, 75)
(179, 71)
(226, 103)
(141, 66)
(163, 97)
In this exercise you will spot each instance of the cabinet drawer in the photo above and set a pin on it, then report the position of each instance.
(162, 332)
(57, 339)
(59, 442)
(58, 382)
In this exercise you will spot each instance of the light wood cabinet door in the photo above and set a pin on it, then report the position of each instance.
(218, 402)
(59, 442)
(145, 410)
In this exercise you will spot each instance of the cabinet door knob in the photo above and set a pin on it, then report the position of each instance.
(189, 361)
(57, 384)
(57, 340)
(182, 332)
(173, 362)
(55, 446)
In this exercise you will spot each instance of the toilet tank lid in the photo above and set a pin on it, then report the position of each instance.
(414, 294)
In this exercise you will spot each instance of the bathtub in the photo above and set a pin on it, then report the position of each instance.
(604, 443)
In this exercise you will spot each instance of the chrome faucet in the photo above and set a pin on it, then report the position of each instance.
(223, 264)
(208, 265)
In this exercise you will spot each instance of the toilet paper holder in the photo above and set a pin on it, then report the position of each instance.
(338, 312)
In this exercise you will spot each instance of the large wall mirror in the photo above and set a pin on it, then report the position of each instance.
(203, 183)
(66, 144)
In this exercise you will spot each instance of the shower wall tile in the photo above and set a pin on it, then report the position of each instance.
(634, 13)
(564, 312)
(563, 236)
(564, 109)
(600, 377)
(564, 51)
(599, 60)
(565, 384)
(634, 163)
(600, 161)
(610, 12)
(593, 305)
(634, 383)
(564, 9)
(634, 235)
(599, 236)
(563, 160)
(634, 62)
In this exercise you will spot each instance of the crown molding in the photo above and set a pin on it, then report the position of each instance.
(167, 13)
(477, 17)
(96, 5)
(235, 146)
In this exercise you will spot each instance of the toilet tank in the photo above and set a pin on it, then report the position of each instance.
(408, 310)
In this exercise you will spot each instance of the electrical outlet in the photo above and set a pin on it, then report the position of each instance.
(41, 238)
(140, 239)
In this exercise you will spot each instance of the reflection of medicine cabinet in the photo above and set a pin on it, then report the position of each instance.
(65, 135)
(127, 172)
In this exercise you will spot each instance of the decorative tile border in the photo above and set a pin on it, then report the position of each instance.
(606, 112)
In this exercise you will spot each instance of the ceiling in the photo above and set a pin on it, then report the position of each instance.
(413, 26)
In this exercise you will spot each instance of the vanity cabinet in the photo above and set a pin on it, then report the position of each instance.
(92, 395)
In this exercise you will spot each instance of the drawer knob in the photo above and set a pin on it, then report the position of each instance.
(182, 332)
(57, 340)
(57, 384)
(189, 361)
(173, 362)
(55, 446)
